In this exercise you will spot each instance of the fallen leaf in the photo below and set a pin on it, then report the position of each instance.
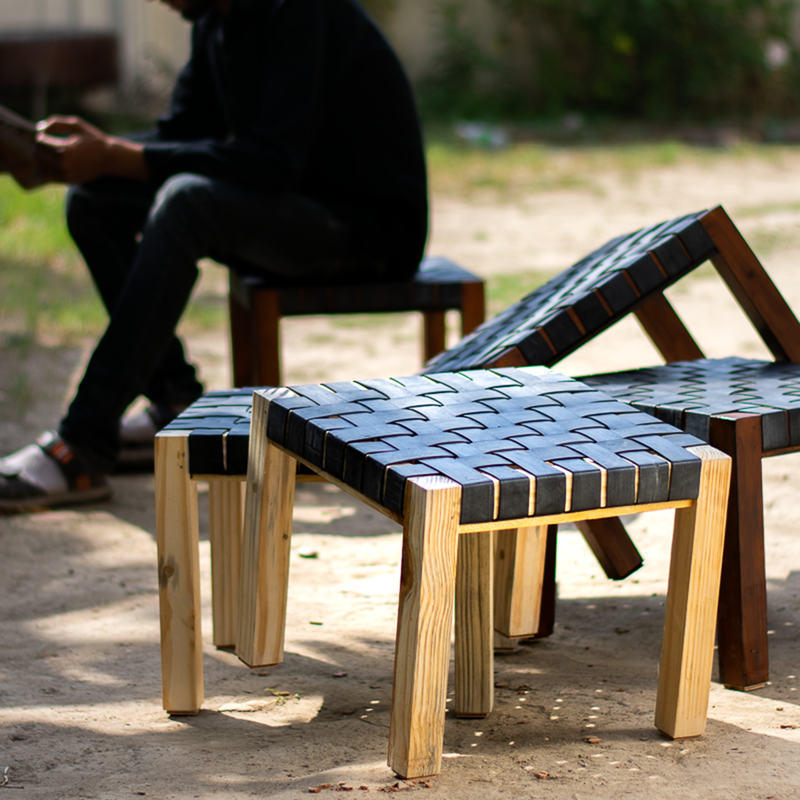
(620, 631)
(592, 740)
(307, 552)
(339, 674)
(501, 685)
(542, 776)
(347, 712)
(363, 787)
(791, 727)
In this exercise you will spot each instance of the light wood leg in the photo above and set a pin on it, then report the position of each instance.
(518, 581)
(691, 612)
(264, 580)
(178, 576)
(225, 511)
(474, 625)
(424, 625)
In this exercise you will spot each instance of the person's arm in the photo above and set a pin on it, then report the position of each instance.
(71, 150)
(271, 152)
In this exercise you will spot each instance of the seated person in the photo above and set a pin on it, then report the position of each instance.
(292, 149)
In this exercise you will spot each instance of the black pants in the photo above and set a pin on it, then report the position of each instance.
(142, 244)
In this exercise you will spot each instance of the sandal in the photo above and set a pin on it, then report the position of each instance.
(48, 473)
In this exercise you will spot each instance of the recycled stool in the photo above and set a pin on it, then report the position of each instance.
(750, 410)
(256, 309)
(453, 458)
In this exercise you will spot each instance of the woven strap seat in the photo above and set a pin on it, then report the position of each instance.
(519, 442)
(689, 394)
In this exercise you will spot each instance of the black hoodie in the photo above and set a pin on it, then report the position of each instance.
(303, 96)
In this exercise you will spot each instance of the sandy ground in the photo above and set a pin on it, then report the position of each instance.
(80, 711)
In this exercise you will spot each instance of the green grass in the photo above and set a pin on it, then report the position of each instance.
(44, 290)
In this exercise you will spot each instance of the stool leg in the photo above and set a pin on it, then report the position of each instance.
(474, 625)
(241, 322)
(742, 622)
(178, 576)
(225, 512)
(267, 321)
(687, 652)
(547, 612)
(433, 337)
(518, 581)
(264, 580)
(424, 625)
(473, 306)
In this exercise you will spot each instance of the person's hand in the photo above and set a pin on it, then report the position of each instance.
(73, 151)
(70, 150)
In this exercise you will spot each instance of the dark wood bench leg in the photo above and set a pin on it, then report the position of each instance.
(742, 622)
(433, 341)
(612, 547)
(473, 307)
(241, 342)
(267, 320)
(547, 609)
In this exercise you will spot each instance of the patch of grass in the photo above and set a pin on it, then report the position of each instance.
(44, 288)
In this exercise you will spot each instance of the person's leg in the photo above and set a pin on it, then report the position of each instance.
(105, 219)
(194, 217)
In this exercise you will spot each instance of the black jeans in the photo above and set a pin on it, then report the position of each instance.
(142, 244)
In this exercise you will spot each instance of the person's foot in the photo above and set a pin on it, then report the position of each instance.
(47, 473)
(137, 433)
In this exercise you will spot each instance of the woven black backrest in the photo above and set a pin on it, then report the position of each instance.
(587, 298)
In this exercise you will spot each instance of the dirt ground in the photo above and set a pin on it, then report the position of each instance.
(80, 709)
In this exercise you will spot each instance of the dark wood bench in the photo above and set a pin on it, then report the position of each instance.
(256, 310)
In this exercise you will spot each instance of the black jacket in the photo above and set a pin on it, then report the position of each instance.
(303, 96)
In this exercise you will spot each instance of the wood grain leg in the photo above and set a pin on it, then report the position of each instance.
(518, 581)
(474, 625)
(473, 306)
(433, 335)
(264, 579)
(687, 653)
(742, 621)
(225, 511)
(178, 576)
(267, 320)
(612, 547)
(424, 625)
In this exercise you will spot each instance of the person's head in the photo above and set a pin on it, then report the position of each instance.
(192, 10)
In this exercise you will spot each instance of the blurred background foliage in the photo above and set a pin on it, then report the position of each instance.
(646, 59)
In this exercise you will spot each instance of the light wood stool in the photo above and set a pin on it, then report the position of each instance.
(454, 458)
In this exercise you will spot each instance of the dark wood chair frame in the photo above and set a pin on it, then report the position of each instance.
(742, 623)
